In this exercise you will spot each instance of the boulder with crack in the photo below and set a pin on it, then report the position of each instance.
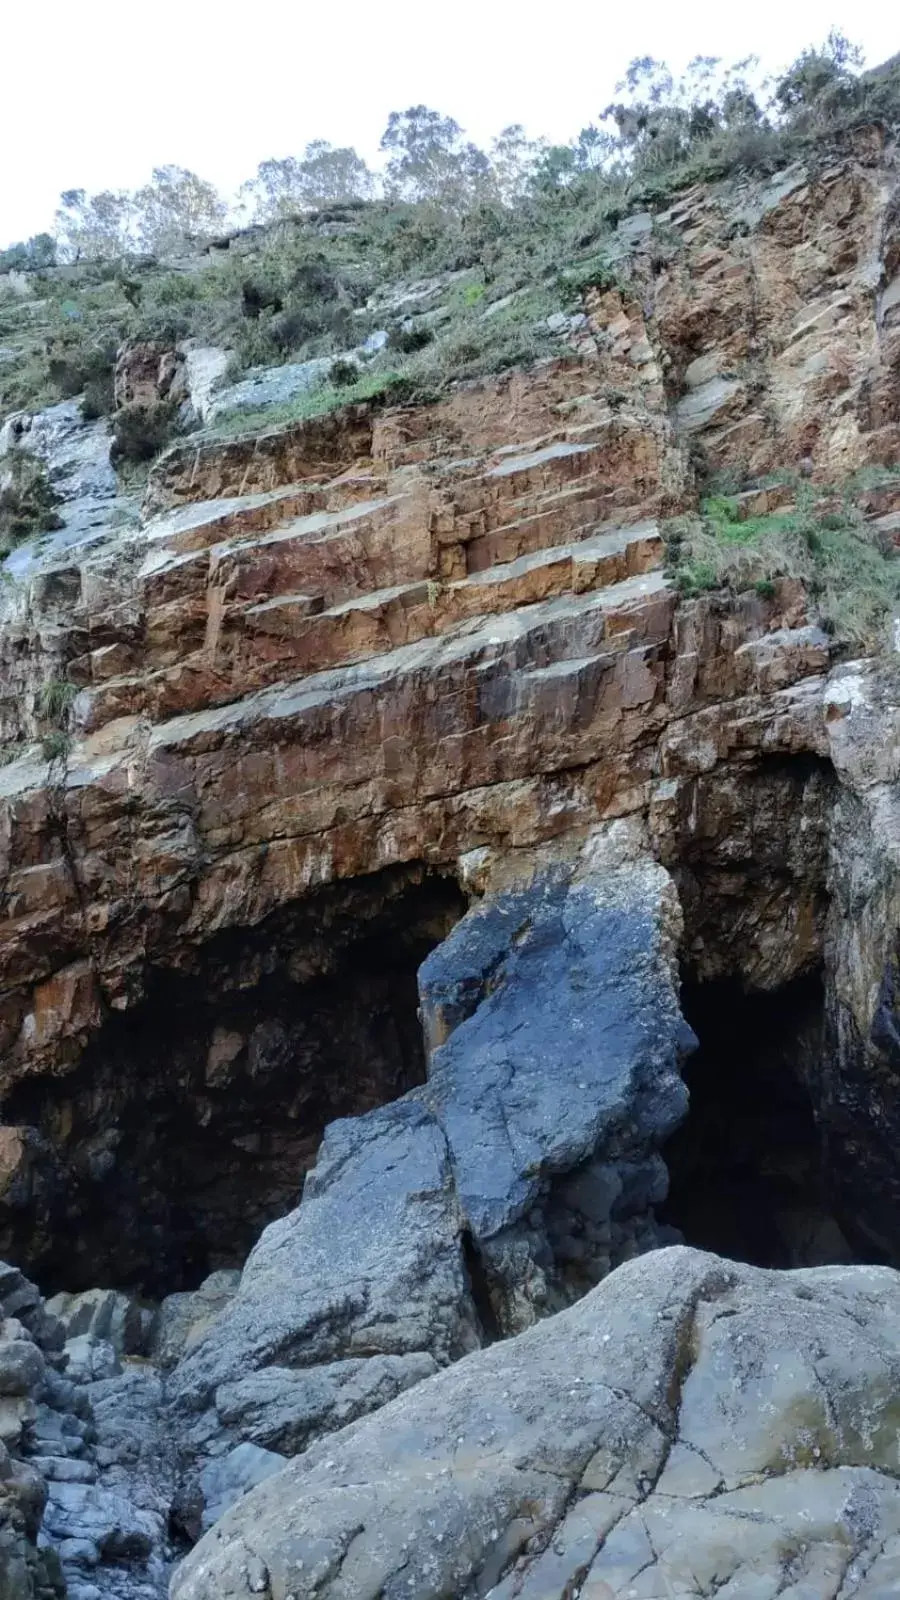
(692, 1426)
(513, 1180)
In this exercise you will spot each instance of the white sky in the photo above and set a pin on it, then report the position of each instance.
(97, 92)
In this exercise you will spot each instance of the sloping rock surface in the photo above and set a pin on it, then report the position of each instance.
(689, 1427)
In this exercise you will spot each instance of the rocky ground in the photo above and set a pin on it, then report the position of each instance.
(370, 788)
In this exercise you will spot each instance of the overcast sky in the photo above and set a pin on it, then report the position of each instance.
(97, 92)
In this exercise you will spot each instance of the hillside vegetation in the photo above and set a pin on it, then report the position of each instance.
(523, 226)
(451, 264)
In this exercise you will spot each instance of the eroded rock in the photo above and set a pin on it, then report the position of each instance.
(680, 1427)
(525, 1167)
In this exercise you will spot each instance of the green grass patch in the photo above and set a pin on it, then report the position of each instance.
(851, 574)
(55, 698)
(390, 387)
(28, 500)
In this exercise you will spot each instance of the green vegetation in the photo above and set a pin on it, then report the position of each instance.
(522, 219)
(55, 698)
(390, 388)
(140, 432)
(53, 707)
(851, 574)
(55, 746)
(460, 254)
(468, 345)
(29, 255)
(28, 501)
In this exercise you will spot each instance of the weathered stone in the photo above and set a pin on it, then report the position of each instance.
(183, 1318)
(101, 1314)
(556, 1079)
(652, 1436)
(227, 1478)
(370, 1262)
(283, 1408)
(526, 1166)
(21, 1367)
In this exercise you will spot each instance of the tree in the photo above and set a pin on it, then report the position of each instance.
(594, 151)
(29, 255)
(94, 227)
(176, 208)
(817, 72)
(333, 177)
(325, 176)
(514, 159)
(428, 159)
(663, 121)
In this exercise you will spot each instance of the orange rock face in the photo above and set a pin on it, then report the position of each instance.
(377, 639)
(457, 635)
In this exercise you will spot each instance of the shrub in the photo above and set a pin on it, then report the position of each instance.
(596, 272)
(340, 373)
(55, 698)
(28, 500)
(74, 365)
(140, 432)
(852, 578)
(55, 746)
(98, 398)
(406, 341)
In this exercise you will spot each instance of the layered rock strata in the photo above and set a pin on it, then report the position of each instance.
(340, 680)
(395, 666)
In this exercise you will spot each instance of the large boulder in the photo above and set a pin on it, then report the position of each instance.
(690, 1427)
(501, 1190)
(370, 1263)
(558, 1078)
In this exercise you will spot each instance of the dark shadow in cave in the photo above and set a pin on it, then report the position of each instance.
(192, 1119)
(746, 1171)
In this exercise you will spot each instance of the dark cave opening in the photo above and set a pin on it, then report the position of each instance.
(746, 1170)
(192, 1119)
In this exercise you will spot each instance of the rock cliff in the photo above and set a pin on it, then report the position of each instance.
(388, 815)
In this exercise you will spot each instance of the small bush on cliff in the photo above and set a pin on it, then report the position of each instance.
(850, 572)
(55, 699)
(140, 432)
(28, 500)
(55, 746)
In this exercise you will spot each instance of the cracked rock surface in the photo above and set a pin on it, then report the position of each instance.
(501, 1189)
(691, 1427)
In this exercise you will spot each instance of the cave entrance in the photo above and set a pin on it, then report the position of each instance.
(746, 1170)
(192, 1119)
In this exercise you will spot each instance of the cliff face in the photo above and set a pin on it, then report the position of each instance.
(340, 678)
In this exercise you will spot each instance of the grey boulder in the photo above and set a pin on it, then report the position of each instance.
(511, 1182)
(690, 1427)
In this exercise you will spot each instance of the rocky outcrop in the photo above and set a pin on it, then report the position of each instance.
(689, 1426)
(83, 1511)
(400, 708)
(854, 1083)
(524, 1169)
(768, 315)
(416, 657)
